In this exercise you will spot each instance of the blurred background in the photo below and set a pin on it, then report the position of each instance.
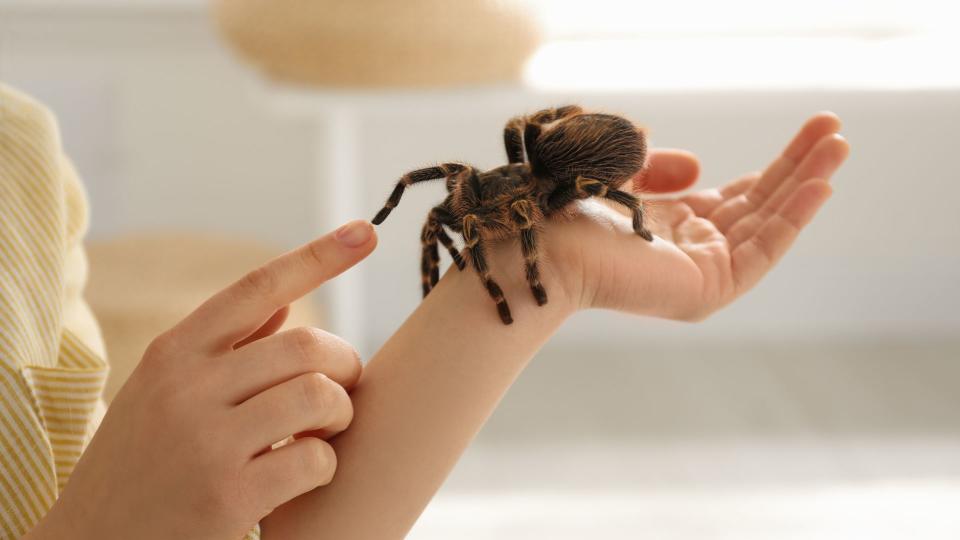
(824, 404)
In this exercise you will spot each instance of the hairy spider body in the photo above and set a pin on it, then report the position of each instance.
(570, 155)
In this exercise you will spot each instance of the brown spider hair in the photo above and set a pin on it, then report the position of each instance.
(600, 146)
(569, 154)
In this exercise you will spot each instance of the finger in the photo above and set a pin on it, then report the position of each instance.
(310, 402)
(667, 170)
(829, 153)
(816, 128)
(237, 311)
(293, 469)
(733, 205)
(756, 256)
(813, 130)
(821, 162)
(704, 202)
(268, 362)
(269, 328)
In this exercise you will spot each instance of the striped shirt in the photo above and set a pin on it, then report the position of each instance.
(52, 359)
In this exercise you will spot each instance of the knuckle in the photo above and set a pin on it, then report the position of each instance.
(343, 359)
(318, 460)
(158, 375)
(316, 392)
(317, 350)
(749, 200)
(763, 248)
(162, 346)
(260, 282)
(315, 253)
(763, 213)
(305, 343)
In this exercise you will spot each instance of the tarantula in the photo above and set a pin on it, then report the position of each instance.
(570, 154)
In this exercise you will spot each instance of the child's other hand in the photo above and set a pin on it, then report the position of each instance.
(183, 451)
(711, 246)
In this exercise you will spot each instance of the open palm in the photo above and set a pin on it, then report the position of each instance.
(711, 246)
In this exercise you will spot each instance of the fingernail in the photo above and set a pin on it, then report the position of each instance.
(354, 234)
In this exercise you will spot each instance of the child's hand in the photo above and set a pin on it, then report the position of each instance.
(183, 451)
(711, 246)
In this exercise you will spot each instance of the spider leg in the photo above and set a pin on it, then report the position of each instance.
(451, 249)
(635, 205)
(567, 193)
(442, 216)
(522, 131)
(429, 256)
(556, 113)
(535, 122)
(443, 170)
(513, 139)
(531, 132)
(522, 213)
(471, 236)
(559, 198)
(588, 187)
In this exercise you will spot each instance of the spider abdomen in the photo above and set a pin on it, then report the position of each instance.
(602, 147)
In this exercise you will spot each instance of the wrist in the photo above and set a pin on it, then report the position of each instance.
(604, 264)
(507, 268)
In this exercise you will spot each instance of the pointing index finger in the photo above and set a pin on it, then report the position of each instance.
(239, 310)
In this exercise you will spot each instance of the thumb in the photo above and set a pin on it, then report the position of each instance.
(668, 170)
(239, 310)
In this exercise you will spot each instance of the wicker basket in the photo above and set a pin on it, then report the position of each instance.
(381, 43)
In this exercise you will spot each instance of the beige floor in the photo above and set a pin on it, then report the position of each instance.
(815, 442)
(792, 390)
(891, 511)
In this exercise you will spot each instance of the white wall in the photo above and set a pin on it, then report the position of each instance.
(153, 110)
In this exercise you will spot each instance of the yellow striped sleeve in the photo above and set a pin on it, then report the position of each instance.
(51, 377)
(52, 360)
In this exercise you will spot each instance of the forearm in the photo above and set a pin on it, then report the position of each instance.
(420, 401)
